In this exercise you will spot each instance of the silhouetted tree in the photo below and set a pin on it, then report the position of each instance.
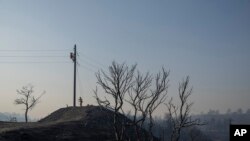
(27, 99)
(145, 101)
(138, 94)
(158, 96)
(144, 93)
(179, 115)
(116, 83)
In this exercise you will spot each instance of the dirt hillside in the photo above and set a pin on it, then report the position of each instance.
(89, 123)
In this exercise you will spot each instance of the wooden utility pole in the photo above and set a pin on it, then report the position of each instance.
(73, 57)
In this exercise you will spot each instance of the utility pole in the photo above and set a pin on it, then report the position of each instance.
(73, 57)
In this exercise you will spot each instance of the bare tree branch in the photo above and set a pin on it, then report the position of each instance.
(180, 115)
(116, 84)
(145, 100)
(27, 99)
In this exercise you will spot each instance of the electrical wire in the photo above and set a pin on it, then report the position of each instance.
(29, 62)
(79, 82)
(31, 56)
(92, 60)
(90, 64)
(30, 50)
(88, 88)
(87, 68)
(33, 59)
(92, 67)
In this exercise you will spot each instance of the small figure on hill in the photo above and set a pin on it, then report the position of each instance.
(80, 101)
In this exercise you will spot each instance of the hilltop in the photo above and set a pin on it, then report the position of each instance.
(89, 123)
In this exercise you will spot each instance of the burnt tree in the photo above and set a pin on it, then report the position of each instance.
(27, 99)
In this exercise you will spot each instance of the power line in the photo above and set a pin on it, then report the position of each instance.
(29, 62)
(90, 64)
(79, 80)
(87, 68)
(33, 56)
(93, 60)
(30, 50)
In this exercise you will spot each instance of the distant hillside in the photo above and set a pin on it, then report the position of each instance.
(8, 116)
(90, 123)
(217, 125)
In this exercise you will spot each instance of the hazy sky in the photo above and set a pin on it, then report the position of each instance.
(207, 40)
